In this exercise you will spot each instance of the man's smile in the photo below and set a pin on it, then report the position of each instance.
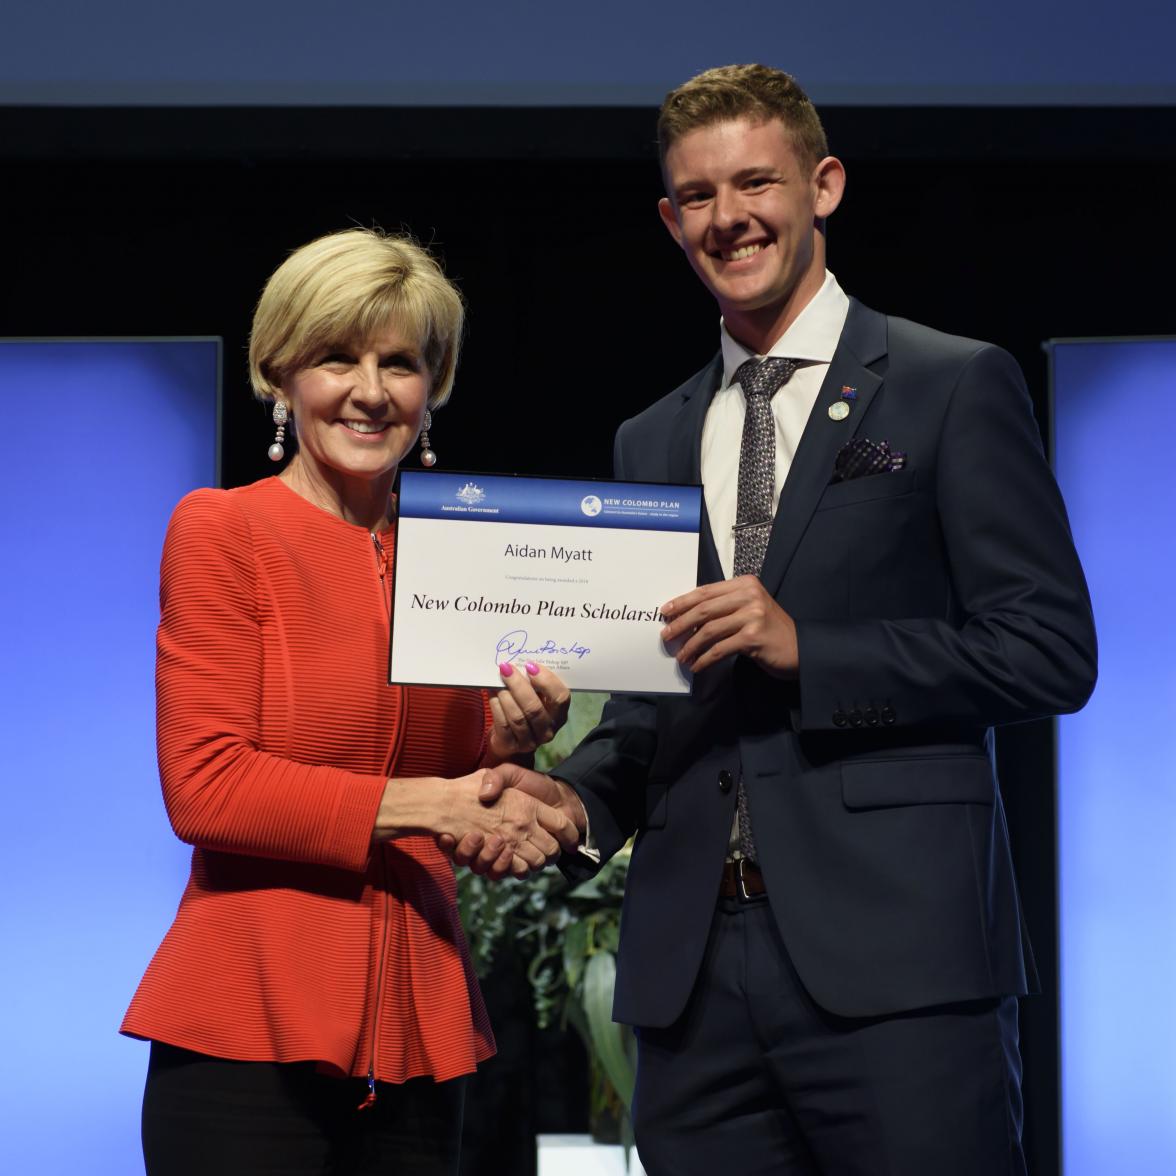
(742, 253)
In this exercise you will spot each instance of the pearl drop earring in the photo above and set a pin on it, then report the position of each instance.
(428, 457)
(281, 415)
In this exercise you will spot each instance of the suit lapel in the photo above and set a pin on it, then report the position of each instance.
(863, 341)
(685, 457)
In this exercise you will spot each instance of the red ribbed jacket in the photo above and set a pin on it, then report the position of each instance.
(294, 939)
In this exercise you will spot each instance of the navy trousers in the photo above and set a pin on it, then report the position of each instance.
(755, 1079)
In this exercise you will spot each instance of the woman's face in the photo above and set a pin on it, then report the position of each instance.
(358, 409)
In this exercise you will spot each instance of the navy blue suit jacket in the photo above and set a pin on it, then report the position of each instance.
(930, 604)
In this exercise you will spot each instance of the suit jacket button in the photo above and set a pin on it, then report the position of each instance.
(726, 781)
(871, 716)
(855, 717)
(888, 715)
(839, 718)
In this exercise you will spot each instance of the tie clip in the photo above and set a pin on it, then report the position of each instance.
(743, 526)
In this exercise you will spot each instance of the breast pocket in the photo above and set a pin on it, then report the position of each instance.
(868, 488)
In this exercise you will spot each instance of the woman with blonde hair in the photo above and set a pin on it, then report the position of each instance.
(312, 1008)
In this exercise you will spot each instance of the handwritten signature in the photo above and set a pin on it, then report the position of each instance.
(512, 647)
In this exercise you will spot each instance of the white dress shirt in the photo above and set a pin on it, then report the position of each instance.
(812, 338)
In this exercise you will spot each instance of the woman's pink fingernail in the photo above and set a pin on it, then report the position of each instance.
(505, 669)
(532, 669)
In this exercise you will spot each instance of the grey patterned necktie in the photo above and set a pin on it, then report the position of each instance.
(760, 380)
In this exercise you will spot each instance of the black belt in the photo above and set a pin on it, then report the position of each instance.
(742, 879)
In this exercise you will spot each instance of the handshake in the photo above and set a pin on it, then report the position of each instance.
(528, 820)
(497, 821)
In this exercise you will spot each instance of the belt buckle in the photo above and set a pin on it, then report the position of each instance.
(741, 881)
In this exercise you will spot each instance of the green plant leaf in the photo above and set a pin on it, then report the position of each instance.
(608, 1038)
(575, 952)
(583, 715)
(588, 889)
(574, 1016)
(606, 931)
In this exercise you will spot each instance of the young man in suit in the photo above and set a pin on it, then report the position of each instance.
(822, 944)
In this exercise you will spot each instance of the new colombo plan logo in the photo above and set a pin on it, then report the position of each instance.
(470, 494)
(590, 505)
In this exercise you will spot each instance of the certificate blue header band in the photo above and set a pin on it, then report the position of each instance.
(495, 498)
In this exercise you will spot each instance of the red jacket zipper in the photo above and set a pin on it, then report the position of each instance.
(370, 1097)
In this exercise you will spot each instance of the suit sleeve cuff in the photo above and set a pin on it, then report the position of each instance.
(832, 698)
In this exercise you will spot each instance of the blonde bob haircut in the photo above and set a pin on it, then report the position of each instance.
(343, 289)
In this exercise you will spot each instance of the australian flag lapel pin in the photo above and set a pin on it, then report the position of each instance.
(839, 409)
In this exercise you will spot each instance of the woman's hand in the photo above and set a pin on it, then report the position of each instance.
(491, 858)
(527, 713)
(525, 832)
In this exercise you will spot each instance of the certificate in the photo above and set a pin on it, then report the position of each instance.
(568, 574)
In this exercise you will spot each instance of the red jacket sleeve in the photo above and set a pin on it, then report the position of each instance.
(222, 789)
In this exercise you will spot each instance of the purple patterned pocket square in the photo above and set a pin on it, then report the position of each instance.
(861, 457)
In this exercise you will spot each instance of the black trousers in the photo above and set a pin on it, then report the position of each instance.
(756, 1079)
(205, 1116)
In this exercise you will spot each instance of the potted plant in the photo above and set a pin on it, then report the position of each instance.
(567, 935)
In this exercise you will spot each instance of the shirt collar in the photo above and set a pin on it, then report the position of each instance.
(813, 335)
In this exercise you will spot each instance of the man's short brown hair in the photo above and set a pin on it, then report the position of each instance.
(742, 91)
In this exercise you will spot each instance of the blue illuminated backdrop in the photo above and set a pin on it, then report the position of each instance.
(518, 52)
(97, 443)
(1112, 407)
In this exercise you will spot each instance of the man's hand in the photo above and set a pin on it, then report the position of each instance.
(525, 832)
(732, 616)
(490, 855)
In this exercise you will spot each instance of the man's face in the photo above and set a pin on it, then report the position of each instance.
(743, 207)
